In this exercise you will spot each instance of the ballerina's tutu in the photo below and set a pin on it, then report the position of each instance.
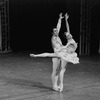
(72, 57)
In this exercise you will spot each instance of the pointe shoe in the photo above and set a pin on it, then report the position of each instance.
(32, 55)
(61, 87)
(56, 88)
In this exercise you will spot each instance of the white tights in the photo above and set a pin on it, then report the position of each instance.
(55, 75)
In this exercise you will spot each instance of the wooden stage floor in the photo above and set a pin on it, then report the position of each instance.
(26, 78)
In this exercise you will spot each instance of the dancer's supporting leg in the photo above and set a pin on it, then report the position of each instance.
(54, 75)
(61, 75)
(44, 55)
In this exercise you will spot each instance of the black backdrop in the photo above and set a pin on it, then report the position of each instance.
(32, 21)
(95, 29)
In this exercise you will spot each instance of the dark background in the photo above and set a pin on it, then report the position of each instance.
(95, 28)
(32, 21)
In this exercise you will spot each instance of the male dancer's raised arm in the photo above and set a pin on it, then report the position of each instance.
(59, 22)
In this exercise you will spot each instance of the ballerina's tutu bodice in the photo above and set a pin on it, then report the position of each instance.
(71, 46)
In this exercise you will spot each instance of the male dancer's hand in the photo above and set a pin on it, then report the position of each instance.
(60, 15)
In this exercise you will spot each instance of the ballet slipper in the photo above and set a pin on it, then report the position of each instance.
(61, 87)
(56, 88)
(32, 55)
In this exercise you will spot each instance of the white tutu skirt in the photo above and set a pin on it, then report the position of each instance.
(69, 57)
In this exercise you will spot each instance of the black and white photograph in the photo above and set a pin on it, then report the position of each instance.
(49, 49)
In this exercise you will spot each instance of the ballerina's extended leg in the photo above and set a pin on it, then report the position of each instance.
(44, 55)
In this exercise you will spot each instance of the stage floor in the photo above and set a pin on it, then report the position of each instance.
(26, 78)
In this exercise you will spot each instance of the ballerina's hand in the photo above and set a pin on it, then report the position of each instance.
(66, 16)
(60, 15)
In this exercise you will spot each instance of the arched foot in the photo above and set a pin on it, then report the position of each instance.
(61, 87)
(32, 55)
(56, 88)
